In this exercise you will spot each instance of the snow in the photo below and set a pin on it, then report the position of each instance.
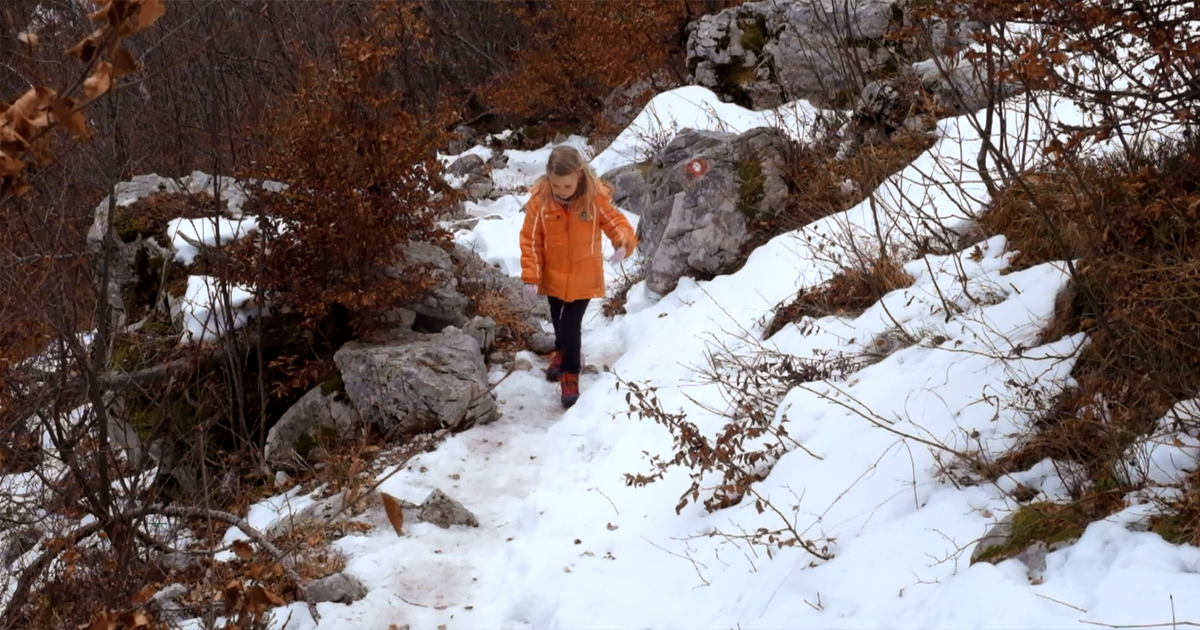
(696, 107)
(188, 235)
(564, 542)
(202, 309)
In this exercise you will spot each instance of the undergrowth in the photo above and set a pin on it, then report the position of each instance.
(846, 294)
(1131, 222)
(752, 440)
(614, 303)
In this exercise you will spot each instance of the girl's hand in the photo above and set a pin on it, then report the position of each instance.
(530, 291)
(617, 256)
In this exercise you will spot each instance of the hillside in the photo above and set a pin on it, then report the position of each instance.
(912, 348)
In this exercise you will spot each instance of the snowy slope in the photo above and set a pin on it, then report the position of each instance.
(564, 543)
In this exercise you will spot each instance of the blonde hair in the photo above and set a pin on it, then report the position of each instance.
(566, 160)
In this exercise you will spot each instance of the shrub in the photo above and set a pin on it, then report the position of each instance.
(848, 293)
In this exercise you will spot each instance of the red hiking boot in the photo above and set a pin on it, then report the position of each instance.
(554, 371)
(570, 389)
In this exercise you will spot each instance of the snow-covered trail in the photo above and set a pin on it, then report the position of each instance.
(563, 542)
(431, 576)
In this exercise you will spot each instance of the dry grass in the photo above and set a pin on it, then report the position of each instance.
(614, 304)
(1133, 225)
(847, 294)
(512, 331)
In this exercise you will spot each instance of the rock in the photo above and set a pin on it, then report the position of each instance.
(479, 187)
(446, 305)
(470, 164)
(761, 54)
(338, 588)
(626, 102)
(701, 191)
(631, 187)
(178, 561)
(764, 53)
(995, 537)
(321, 415)
(522, 365)
(483, 331)
(420, 384)
(498, 161)
(463, 139)
(439, 509)
(541, 342)
(166, 601)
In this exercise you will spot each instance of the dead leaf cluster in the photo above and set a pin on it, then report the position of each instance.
(26, 122)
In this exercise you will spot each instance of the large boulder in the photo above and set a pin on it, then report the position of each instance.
(768, 52)
(762, 54)
(698, 198)
(144, 274)
(321, 415)
(416, 383)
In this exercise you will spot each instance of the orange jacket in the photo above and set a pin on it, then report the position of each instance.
(561, 247)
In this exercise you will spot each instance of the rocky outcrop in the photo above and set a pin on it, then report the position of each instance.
(698, 198)
(762, 54)
(418, 383)
(458, 274)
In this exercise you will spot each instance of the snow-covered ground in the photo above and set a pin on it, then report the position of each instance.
(563, 542)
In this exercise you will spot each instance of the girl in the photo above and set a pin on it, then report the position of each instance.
(568, 208)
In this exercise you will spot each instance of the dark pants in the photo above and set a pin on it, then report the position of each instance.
(567, 318)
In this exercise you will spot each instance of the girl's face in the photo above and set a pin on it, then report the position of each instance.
(564, 186)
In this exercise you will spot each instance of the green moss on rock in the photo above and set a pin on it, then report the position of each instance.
(754, 34)
(1042, 521)
(750, 181)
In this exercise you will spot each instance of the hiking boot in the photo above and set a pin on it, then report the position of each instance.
(554, 372)
(570, 389)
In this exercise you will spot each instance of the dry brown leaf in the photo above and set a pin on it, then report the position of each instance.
(254, 571)
(148, 13)
(273, 570)
(10, 142)
(134, 620)
(243, 550)
(40, 149)
(102, 621)
(73, 121)
(10, 167)
(144, 595)
(29, 103)
(259, 598)
(99, 82)
(123, 63)
(395, 513)
(30, 39)
(102, 13)
(233, 594)
(87, 48)
(21, 190)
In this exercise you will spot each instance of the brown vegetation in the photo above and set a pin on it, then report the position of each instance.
(847, 294)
